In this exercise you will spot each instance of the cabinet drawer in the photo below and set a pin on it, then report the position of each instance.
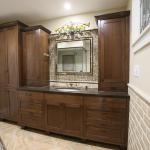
(105, 104)
(32, 97)
(104, 119)
(27, 104)
(68, 100)
(31, 120)
(103, 135)
(38, 112)
(103, 116)
(104, 124)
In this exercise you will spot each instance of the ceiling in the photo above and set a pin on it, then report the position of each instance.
(30, 11)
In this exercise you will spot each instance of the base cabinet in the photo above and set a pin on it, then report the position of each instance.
(9, 104)
(105, 119)
(55, 115)
(64, 114)
(31, 110)
(100, 119)
(4, 103)
(74, 120)
(13, 105)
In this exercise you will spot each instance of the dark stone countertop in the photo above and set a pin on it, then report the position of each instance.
(92, 92)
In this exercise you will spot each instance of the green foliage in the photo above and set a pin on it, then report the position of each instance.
(72, 28)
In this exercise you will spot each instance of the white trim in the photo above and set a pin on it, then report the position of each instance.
(142, 41)
(141, 35)
(140, 93)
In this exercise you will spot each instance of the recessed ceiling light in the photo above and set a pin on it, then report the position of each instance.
(67, 6)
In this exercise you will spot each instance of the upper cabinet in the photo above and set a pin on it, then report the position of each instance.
(3, 59)
(35, 56)
(113, 51)
(12, 42)
(9, 53)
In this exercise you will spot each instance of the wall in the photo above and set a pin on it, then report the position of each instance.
(139, 122)
(139, 86)
(53, 24)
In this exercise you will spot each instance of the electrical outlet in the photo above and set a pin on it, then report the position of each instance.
(137, 71)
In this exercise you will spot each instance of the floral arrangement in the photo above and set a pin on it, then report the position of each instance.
(72, 28)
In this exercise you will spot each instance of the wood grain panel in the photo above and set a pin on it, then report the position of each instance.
(113, 53)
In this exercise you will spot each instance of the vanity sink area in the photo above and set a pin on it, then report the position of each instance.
(68, 89)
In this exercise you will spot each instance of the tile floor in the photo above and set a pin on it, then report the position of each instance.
(15, 138)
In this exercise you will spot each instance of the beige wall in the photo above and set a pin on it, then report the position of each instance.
(140, 52)
(53, 24)
(139, 86)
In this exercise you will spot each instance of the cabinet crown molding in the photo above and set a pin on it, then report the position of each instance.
(112, 15)
(12, 23)
(32, 28)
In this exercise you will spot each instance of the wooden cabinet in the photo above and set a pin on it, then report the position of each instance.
(64, 114)
(4, 103)
(13, 105)
(9, 72)
(3, 59)
(100, 119)
(74, 116)
(55, 115)
(11, 36)
(113, 51)
(9, 49)
(31, 110)
(35, 63)
(105, 119)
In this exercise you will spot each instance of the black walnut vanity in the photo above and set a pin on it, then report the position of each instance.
(25, 98)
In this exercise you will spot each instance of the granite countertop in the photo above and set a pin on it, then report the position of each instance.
(93, 92)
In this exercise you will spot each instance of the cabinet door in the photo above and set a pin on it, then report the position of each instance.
(44, 48)
(105, 119)
(55, 115)
(74, 116)
(64, 114)
(114, 55)
(4, 103)
(13, 103)
(3, 59)
(35, 64)
(31, 60)
(12, 51)
(31, 107)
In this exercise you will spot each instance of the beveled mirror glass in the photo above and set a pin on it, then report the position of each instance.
(74, 56)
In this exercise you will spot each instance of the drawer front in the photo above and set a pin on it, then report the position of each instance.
(104, 119)
(104, 115)
(105, 104)
(32, 97)
(104, 135)
(32, 108)
(68, 100)
(32, 120)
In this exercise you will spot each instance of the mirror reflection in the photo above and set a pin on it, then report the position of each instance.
(74, 56)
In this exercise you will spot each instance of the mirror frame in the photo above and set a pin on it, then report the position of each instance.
(91, 57)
